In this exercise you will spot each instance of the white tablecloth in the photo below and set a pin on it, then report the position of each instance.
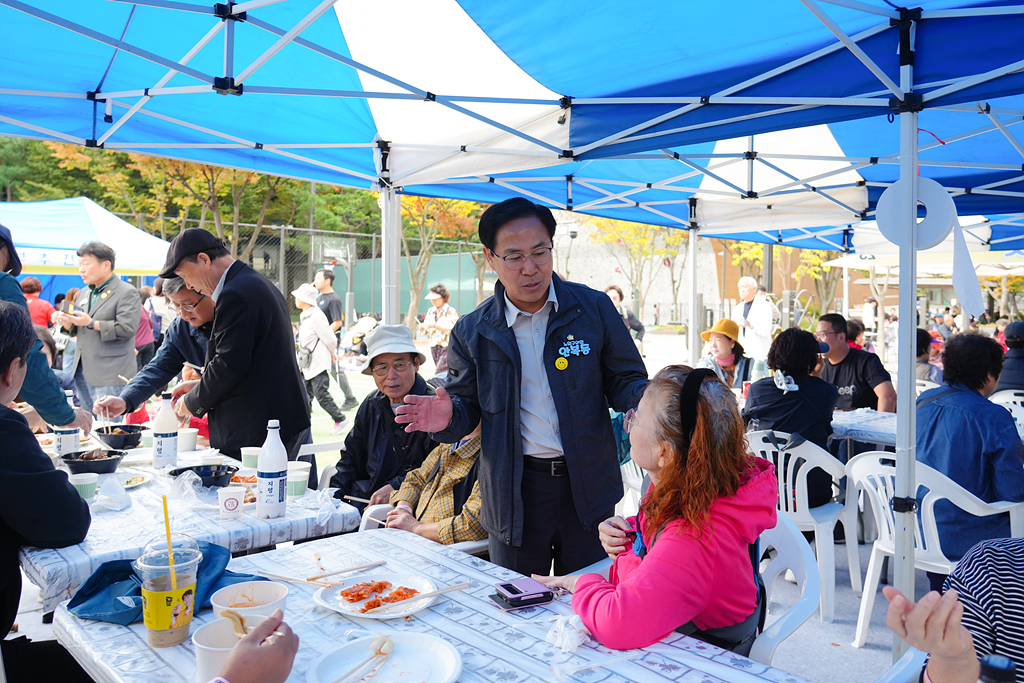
(496, 647)
(122, 535)
(864, 424)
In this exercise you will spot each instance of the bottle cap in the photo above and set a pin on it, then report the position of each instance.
(166, 395)
(997, 668)
(273, 424)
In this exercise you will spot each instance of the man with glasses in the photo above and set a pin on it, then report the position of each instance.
(251, 375)
(184, 342)
(378, 452)
(538, 363)
(859, 375)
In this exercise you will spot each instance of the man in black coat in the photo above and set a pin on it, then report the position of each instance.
(1012, 376)
(251, 375)
(39, 508)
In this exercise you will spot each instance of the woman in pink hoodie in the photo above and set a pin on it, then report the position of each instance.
(684, 562)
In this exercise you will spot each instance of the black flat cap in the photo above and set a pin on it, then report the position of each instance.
(189, 243)
(1014, 335)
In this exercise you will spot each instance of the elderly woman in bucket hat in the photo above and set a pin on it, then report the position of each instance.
(378, 452)
(725, 354)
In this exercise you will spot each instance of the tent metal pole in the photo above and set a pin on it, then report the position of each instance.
(906, 390)
(391, 253)
(693, 327)
(846, 283)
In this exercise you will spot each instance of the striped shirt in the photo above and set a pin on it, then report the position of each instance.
(990, 582)
(433, 500)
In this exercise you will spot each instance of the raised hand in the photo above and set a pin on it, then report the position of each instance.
(933, 625)
(425, 413)
(612, 533)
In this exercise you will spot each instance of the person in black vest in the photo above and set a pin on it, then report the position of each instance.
(1013, 363)
(251, 375)
(441, 499)
(39, 508)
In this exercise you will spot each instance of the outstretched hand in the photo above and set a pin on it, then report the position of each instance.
(425, 413)
(933, 625)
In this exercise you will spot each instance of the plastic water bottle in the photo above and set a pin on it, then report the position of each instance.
(997, 669)
(272, 475)
(165, 435)
(66, 440)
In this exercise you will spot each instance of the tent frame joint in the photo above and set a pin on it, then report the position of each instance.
(906, 24)
(567, 154)
(913, 103)
(750, 194)
(93, 144)
(225, 85)
(904, 504)
(222, 10)
(430, 97)
(750, 155)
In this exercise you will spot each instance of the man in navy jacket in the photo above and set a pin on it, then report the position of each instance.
(39, 507)
(538, 363)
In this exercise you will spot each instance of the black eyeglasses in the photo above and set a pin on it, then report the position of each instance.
(540, 257)
(188, 308)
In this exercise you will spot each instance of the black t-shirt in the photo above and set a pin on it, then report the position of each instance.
(330, 304)
(856, 378)
(807, 412)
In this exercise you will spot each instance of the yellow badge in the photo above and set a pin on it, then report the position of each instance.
(561, 363)
(104, 295)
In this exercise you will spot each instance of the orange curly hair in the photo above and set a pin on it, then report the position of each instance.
(713, 466)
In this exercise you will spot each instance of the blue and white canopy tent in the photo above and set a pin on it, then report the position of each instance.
(606, 109)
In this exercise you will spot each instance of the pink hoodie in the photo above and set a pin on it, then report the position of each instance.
(707, 579)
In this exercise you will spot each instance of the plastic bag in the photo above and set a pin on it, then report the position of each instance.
(188, 488)
(568, 633)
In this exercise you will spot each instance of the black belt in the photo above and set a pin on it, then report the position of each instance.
(556, 467)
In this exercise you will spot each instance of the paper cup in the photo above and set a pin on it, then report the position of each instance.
(250, 455)
(215, 459)
(85, 484)
(187, 437)
(251, 597)
(229, 500)
(213, 643)
(147, 438)
(297, 480)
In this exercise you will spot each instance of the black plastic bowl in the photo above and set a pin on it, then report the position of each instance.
(212, 475)
(120, 441)
(104, 466)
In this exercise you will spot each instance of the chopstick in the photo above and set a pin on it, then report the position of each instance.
(359, 568)
(292, 579)
(358, 500)
(194, 367)
(420, 596)
(319, 564)
(123, 379)
(362, 665)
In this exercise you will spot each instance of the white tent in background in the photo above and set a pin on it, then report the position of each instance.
(47, 235)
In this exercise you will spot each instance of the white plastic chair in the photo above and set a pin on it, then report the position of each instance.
(793, 553)
(874, 473)
(374, 517)
(792, 502)
(1014, 396)
(325, 477)
(924, 385)
(632, 485)
(1017, 413)
(907, 670)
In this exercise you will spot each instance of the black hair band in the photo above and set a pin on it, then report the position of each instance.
(688, 401)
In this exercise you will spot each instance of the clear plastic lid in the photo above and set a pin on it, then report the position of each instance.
(154, 555)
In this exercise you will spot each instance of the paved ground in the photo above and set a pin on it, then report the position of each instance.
(819, 652)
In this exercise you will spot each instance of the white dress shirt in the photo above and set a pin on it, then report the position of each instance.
(220, 285)
(538, 418)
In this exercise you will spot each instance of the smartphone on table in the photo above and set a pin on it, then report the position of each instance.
(513, 595)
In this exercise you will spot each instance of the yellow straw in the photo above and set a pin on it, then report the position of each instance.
(170, 550)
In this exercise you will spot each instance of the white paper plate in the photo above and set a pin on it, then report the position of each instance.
(418, 658)
(125, 476)
(138, 456)
(331, 597)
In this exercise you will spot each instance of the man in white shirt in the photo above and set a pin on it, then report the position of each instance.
(754, 316)
(538, 363)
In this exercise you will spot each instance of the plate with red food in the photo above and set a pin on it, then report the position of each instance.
(377, 595)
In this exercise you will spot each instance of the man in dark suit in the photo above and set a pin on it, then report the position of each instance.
(251, 374)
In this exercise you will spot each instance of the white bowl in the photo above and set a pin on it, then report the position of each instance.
(255, 597)
(213, 643)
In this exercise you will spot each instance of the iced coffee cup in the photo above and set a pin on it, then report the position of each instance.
(168, 592)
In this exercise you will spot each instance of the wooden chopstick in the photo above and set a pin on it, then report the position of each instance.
(292, 579)
(361, 665)
(359, 568)
(420, 596)
(358, 500)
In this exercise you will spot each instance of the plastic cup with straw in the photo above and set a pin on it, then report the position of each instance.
(170, 548)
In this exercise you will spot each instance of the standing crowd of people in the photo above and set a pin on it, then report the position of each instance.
(511, 440)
